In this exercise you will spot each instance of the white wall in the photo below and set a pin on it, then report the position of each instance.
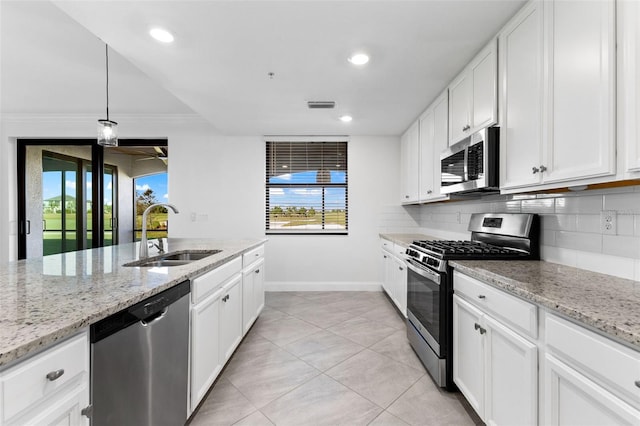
(221, 183)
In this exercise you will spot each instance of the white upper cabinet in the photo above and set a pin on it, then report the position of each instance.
(580, 120)
(629, 85)
(433, 140)
(521, 61)
(473, 95)
(410, 163)
(557, 93)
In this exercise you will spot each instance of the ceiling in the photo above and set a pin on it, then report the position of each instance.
(220, 62)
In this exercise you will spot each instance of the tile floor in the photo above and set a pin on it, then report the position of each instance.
(329, 358)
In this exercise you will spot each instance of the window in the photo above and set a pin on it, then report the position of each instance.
(150, 190)
(306, 187)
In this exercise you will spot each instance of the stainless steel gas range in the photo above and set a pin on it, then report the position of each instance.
(494, 236)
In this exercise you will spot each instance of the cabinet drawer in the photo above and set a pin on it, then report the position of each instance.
(609, 363)
(386, 245)
(518, 314)
(252, 255)
(400, 251)
(26, 383)
(207, 283)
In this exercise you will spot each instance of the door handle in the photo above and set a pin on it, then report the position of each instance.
(543, 169)
(257, 271)
(55, 375)
(535, 170)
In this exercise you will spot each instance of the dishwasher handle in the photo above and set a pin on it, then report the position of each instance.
(154, 317)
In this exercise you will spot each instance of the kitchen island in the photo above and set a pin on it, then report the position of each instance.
(47, 299)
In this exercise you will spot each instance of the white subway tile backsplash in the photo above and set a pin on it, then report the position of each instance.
(605, 264)
(579, 241)
(579, 204)
(625, 224)
(625, 203)
(559, 222)
(547, 237)
(618, 245)
(513, 206)
(588, 223)
(540, 206)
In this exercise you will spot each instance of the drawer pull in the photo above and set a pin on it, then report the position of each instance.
(638, 383)
(482, 296)
(257, 271)
(55, 375)
(478, 327)
(257, 254)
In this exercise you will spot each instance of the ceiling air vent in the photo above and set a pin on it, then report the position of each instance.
(321, 104)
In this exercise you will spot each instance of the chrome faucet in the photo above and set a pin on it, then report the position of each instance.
(144, 247)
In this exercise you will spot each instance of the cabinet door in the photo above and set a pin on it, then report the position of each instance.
(459, 108)
(248, 300)
(629, 83)
(468, 349)
(258, 288)
(511, 377)
(427, 163)
(521, 94)
(440, 139)
(206, 362)
(484, 97)
(581, 86)
(387, 273)
(230, 317)
(409, 169)
(573, 399)
(400, 285)
(65, 411)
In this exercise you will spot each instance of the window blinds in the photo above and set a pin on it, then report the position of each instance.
(306, 187)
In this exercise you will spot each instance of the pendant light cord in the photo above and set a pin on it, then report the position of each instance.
(106, 49)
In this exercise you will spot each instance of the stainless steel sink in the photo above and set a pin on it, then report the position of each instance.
(175, 258)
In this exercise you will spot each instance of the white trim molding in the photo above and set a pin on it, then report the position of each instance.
(323, 286)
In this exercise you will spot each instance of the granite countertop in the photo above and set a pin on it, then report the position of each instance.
(406, 239)
(607, 304)
(46, 299)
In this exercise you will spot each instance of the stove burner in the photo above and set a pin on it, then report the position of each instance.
(446, 248)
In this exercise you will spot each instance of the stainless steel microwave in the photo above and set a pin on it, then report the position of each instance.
(471, 165)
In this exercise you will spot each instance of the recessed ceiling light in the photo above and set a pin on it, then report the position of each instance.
(346, 118)
(161, 35)
(359, 58)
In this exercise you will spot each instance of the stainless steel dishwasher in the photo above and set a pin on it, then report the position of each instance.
(139, 362)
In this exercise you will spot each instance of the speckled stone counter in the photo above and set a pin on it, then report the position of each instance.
(406, 239)
(47, 299)
(605, 303)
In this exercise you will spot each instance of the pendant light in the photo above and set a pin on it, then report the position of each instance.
(107, 129)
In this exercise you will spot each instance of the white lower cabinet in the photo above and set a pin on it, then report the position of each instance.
(573, 399)
(394, 276)
(51, 388)
(495, 367)
(216, 325)
(252, 293)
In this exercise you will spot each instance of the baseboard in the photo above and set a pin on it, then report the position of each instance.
(322, 286)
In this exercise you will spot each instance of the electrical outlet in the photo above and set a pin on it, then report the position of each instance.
(608, 222)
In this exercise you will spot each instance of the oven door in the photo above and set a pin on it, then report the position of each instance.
(423, 303)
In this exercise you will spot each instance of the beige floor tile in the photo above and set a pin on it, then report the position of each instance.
(387, 419)
(323, 296)
(285, 330)
(397, 347)
(322, 316)
(223, 406)
(255, 419)
(267, 377)
(386, 314)
(426, 404)
(323, 349)
(376, 377)
(363, 331)
(355, 305)
(269, 314)
(321, 401)
(279, 300)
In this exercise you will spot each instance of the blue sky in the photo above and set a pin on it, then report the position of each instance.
(307, 197)
(157, 182)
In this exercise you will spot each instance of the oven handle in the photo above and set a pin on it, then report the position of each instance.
(422, 271)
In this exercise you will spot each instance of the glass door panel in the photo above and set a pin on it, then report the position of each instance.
(59, 204)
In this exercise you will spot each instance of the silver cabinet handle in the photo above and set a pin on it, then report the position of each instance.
(479, 327)
(482, 296)
(257, 254)
(406, 196)
(429, 192)
(465, 128)
(401, 268)
(87, 411)
(535, 170)
(476, 326)
(257, 271)
(543, 169)
(638, 383)
(55, 375)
